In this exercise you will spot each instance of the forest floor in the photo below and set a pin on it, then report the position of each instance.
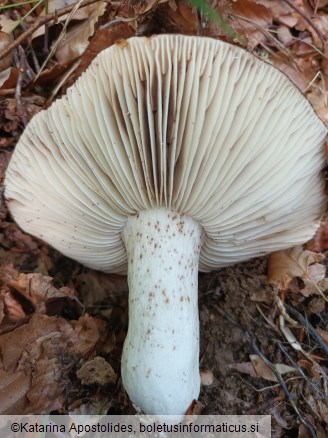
(264, 323)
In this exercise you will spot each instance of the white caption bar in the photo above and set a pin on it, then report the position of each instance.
(127, 426)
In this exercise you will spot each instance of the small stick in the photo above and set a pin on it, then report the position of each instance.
(18, 95)
(283, 312)
(300, 371)
(40, 21)
(315, 335)
(285, 389)
(307, 19)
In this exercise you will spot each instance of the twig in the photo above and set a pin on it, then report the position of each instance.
(60, 38)
(265, 32)
(21, 20)
(18, 94)
(35, 59)
(62, 81)
(46, 39)
(307, 19)
(285, 389)
(300, 371)
(117, 21)
(283, 312)
(7, 92)
(271, 324)
(315, 335)
(40, 21)
(23, 63)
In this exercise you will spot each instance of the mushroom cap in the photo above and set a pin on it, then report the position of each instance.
(188, 123)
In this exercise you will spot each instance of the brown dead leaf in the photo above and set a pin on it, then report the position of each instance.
(321, 23)
(25, 294)
(94, 287)
(258, 368)
(82, 13)
(244, 367)
(294, 262)
(319, 406)
(313, 369)
(8, 78)
(194, 409)
(262, 370)
(9, 119)
(184, 17)
(6, 24)
(285, 36)
(40, 292)
(257, 17)
(278, 10)
(13, 389)
(54, 5)
(317, 283)
(318, 4)
(321, 432)
(5, 40)
(20, 241)
(45, 350)
(13, 310)
(77, 37)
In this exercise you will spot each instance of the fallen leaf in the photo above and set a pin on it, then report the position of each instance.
(8, 77)
(13, 389)
(94, 287)
(184, 18)
(317, 283)
(318, 4)
(6, 24)
(244, 367)
(262, 370)
(285, 36)
(25, 294)
(257, 17)
(77, 37)
(258, 368)
(294, 262)
(38, 289)
(312, 368)
(44, 351)
(5, 40)
(319, 406)
(82, 13)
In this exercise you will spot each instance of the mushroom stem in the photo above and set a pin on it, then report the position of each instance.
(160, 362)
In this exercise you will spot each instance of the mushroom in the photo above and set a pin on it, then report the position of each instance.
(170, 154)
